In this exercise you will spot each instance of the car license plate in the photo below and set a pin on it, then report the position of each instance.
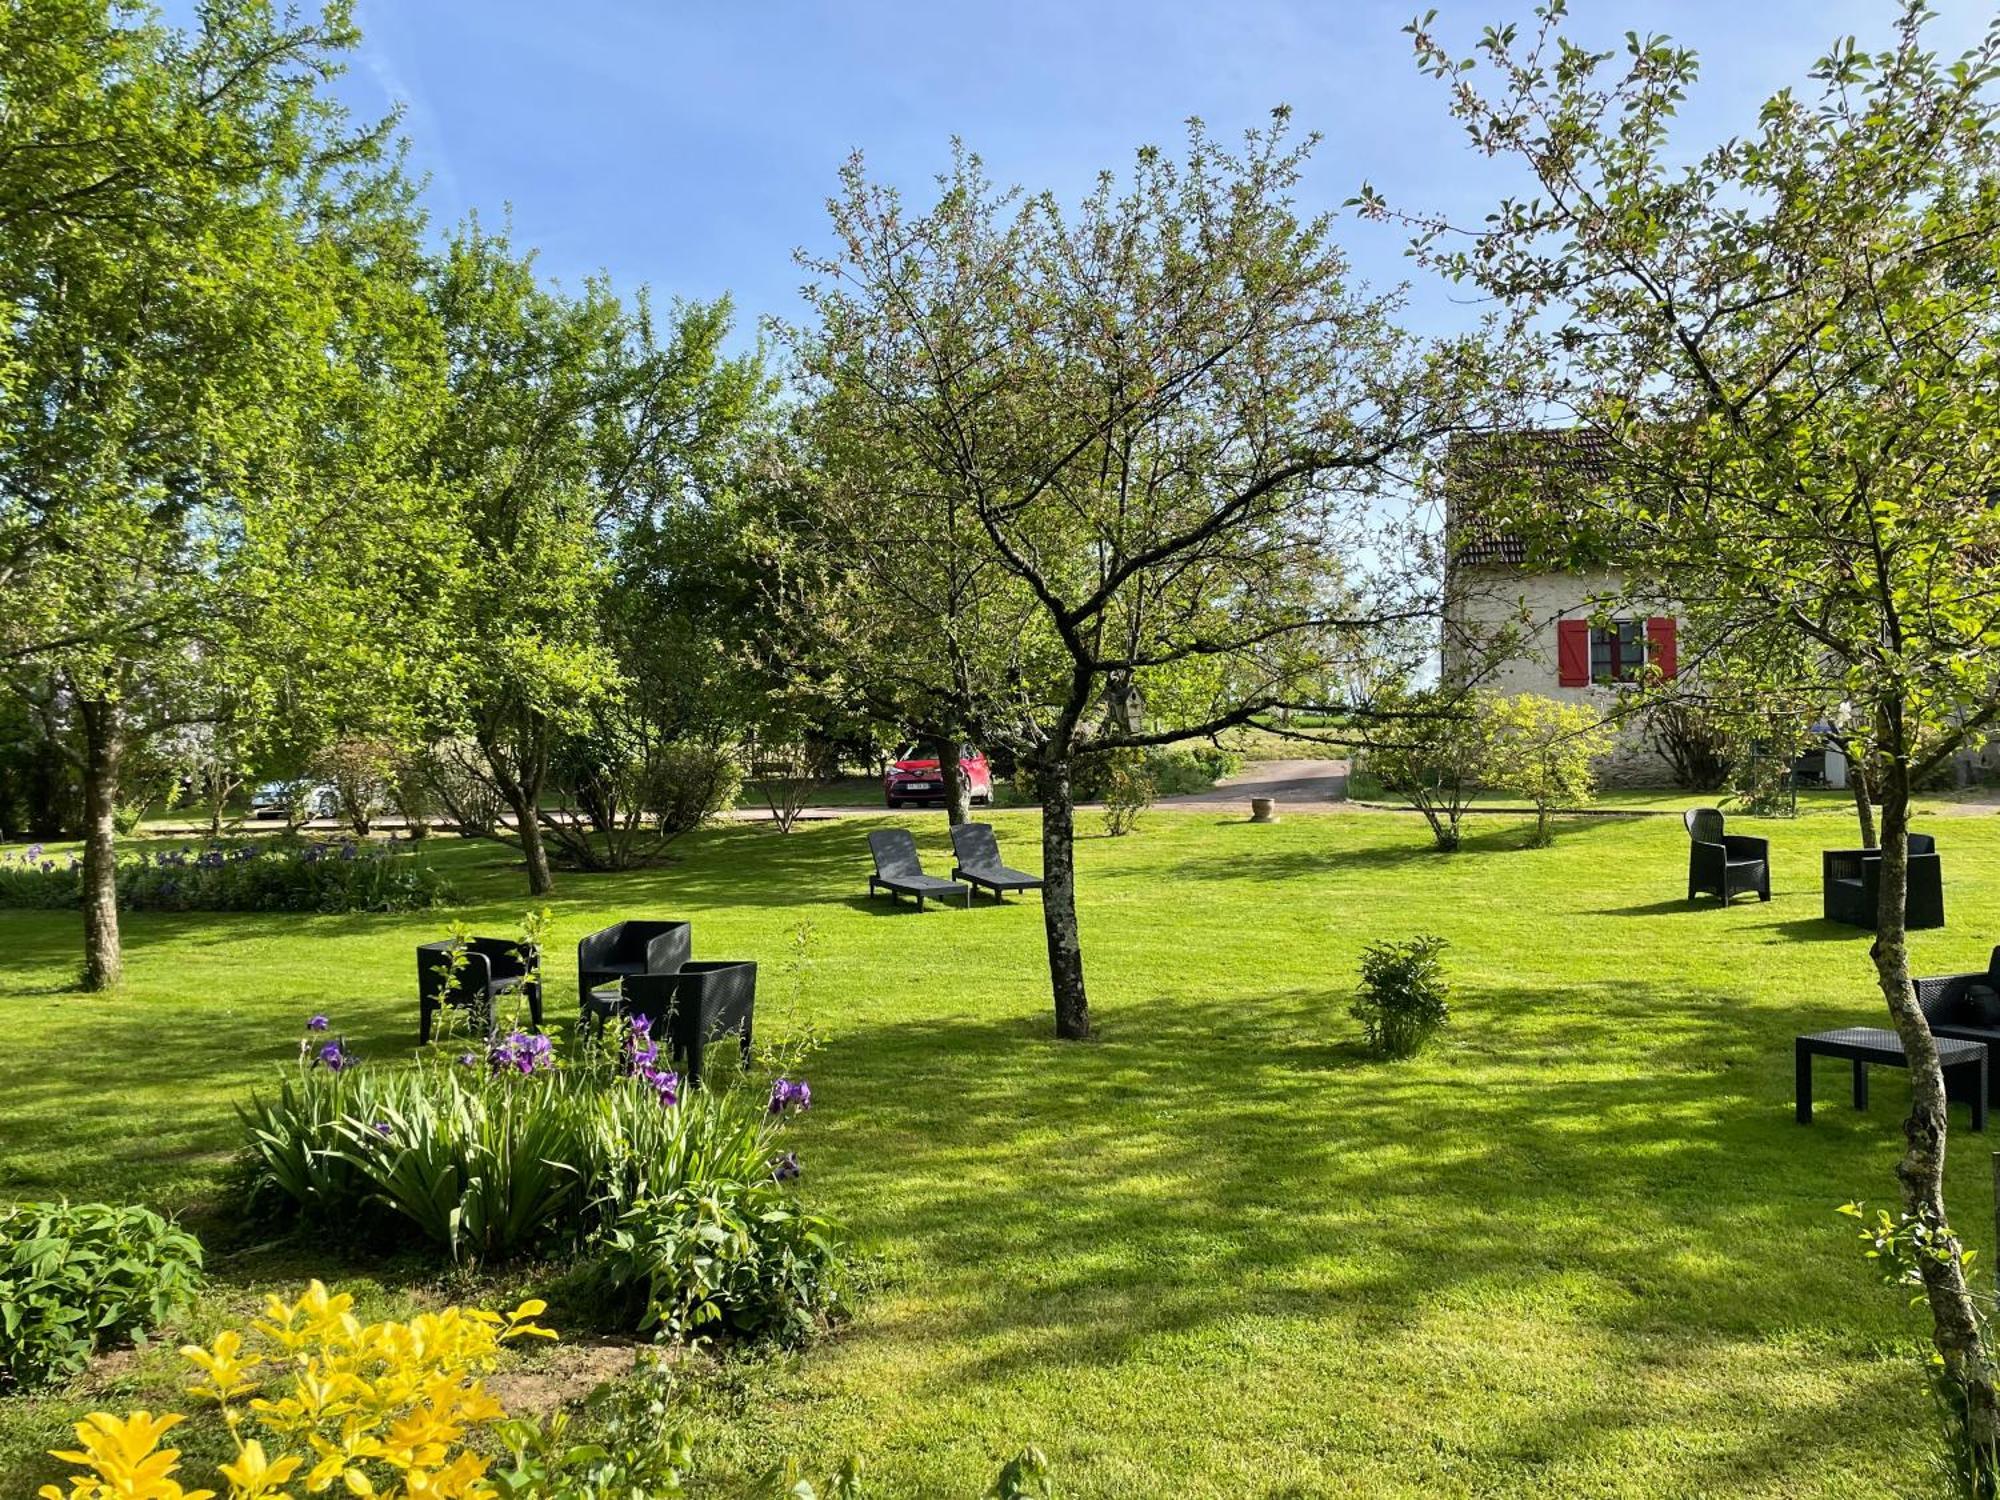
(920, 786)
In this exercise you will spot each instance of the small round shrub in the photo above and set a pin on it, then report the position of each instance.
(1402, 1000)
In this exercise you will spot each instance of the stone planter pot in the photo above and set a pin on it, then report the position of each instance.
(1262, 810)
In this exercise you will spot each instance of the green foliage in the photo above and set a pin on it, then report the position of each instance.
(313, 877)
(74, 1277)
(1402, 1001)
(1026, 1476)
(729, 1255)
(984, 1169)
(576, 433)
(1545, 751)
(1172, 772)
(620, 1446)
(624, 1443)
(633, 796)
(1181, 770)
(1782, 346)
(1090, 779)
(447, 772)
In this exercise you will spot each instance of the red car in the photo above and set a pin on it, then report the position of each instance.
(913, 778)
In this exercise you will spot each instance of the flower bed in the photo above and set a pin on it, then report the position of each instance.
(319, 877)
(677, 1204)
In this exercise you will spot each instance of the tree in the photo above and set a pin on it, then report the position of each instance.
(181, 454)
(570, 420)
(1166, 419)
(1430, 749)
(1546, 751)
(889, 603)
(1789, 344)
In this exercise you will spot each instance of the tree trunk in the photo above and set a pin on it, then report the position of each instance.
(1920, 1173)
(103, 746)
(957, 790)
(519, 776)
(1864, 799)
(527, 821)
(1059, 903)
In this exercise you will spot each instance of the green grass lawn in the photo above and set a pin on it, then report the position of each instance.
(1578, 1248)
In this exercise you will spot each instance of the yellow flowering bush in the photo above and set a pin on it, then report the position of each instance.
(368, 1409)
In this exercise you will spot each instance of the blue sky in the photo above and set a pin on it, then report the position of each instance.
(692, 147)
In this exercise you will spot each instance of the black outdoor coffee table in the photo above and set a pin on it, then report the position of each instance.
(1871, 1044)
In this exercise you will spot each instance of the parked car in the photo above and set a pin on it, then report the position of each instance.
(275, 799)
(914, 779)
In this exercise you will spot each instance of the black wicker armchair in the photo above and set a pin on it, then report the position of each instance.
(632, 947)
(1724, 864)
(1851, 882)
(691, 1007)
(979, 864)
(1966, 1008)
(473, 976)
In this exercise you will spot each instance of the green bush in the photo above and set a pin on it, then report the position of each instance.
(1402, 1000)
(1128, 791)
(1545, 751)
(1185, 769)
(1431, 752)
(74, 1277)
(319, 877)
(736, 1255)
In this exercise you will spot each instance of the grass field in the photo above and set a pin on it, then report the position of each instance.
(1579, 1248)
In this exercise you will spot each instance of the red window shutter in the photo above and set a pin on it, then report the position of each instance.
(1662, 645)
(1573, 653)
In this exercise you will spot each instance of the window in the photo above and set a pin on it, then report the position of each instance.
(1617, 651)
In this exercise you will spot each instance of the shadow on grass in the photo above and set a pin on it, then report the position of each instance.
(1817, 930)
(1197, 1167)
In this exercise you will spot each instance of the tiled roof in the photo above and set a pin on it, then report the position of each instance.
(1549, 458)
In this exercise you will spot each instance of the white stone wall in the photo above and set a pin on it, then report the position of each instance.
(1485, 604)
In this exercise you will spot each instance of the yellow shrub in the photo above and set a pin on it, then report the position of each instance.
(375, 1409)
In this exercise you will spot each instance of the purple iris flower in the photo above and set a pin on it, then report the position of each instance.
(383, 1127)
(34, 851)
(788, 1094)
(316, 1023)
(523, 1052)
(786, 1167)
(663, 1082)
(468, 1059)
(641, 1051)
(334, 1057)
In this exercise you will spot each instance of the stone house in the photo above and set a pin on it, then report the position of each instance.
(1513, 626)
